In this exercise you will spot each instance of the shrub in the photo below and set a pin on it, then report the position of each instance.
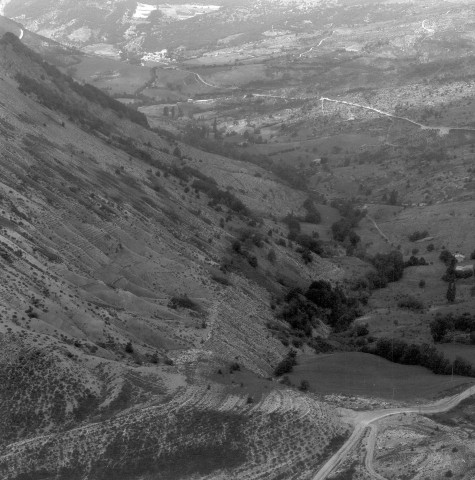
(221, 279)
(252, 260)
(413, 237)
(271, 256)
(304, 386)
(411, 303)
(129, 348)
(234, 367)
(361, 330)
(183, 302)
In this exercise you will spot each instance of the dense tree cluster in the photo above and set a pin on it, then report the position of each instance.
(451, 323)
(389, 268)
(218, 196)
(424, 355)
(312, 215)
(303, 311)
(415, 262)
(343, 229)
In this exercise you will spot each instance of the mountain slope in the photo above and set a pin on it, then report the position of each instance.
(115, 314)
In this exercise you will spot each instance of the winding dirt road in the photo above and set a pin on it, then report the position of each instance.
(441, 130)
(366, 420)
(381, 233)
(370, 446)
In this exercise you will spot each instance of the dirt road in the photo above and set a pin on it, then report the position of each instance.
(365, 419)
(381, 233)
(441, 130)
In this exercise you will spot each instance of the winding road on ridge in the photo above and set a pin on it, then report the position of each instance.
(367, 419)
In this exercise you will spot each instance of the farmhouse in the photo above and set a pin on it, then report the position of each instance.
(464, 271)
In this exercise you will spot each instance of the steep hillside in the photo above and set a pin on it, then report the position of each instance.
(121, 297)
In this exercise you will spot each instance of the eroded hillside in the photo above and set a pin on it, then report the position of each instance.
(116, 309)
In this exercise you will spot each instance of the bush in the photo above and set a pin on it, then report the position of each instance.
(183, 302)
(413, 237)
(411, 303)
(252, 260)
(221, 279)
(129, 348)
(271, 256)
(304, 386)
(234, 367)
(361, 330)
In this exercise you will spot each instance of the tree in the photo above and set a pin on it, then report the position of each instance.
(271, 256)
(393, 198)
(451, 292)
(439, 327)
(462, 367)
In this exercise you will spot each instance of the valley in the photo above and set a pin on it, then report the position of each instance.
(236, 240)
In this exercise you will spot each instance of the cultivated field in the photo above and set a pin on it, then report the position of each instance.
(366, 375)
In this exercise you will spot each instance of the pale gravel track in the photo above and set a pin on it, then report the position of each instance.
(365, 419)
